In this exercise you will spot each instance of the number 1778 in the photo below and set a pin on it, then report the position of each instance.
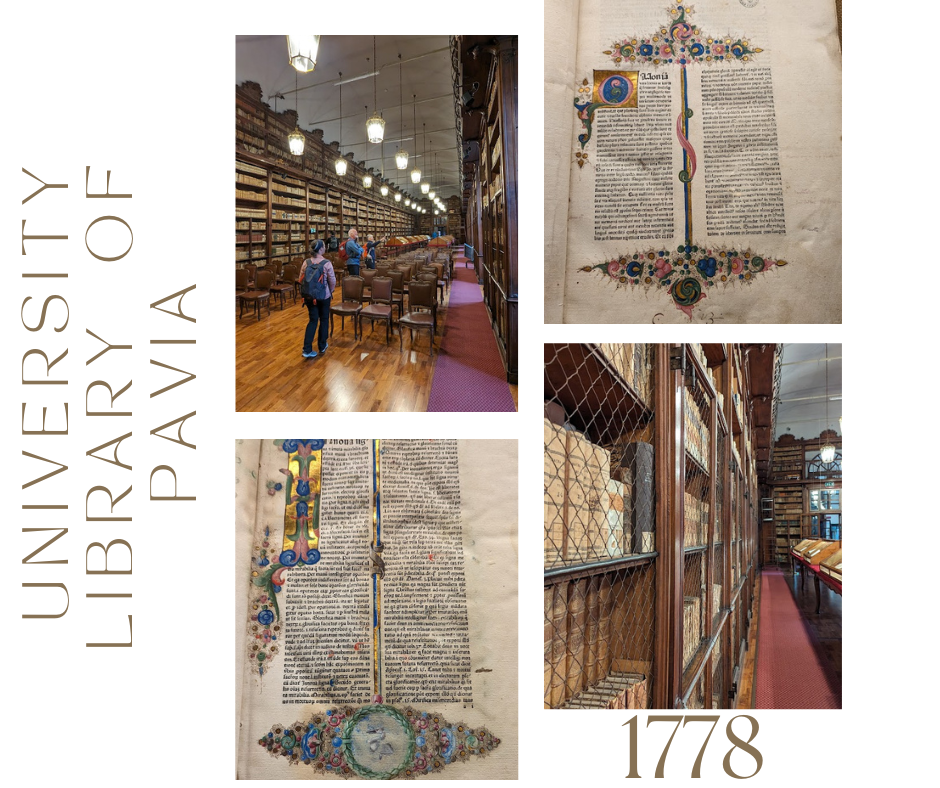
(737, 743)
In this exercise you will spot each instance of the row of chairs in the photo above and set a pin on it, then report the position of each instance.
(378, 302)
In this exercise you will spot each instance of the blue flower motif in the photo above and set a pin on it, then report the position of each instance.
(303, 487)
(290, 446)
(634, 268)
(696, 50)
(278, 486)
(646, 50)
(708, 266)
(265, 617)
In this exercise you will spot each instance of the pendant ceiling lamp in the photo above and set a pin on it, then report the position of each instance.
(367, 181)
(397, 196)
(401, 158)
(375, 125)
(425, 186)
(295, 140)
(828, 452)
(415, 173)
(302, 52)
(432, 194)
(340, 162)
(383, 188)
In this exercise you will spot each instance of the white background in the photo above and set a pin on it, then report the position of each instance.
(146, 91)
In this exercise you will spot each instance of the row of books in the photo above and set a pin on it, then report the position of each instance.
(696, 432)
(251, 169)
(252, 213)
(591, 515)
(243, 254)
(249, 180)
(696, 521)
(593, 633)
(633, 362)
(241, 194)
(252, 238)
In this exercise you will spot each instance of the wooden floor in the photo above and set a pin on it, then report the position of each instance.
(368, 375)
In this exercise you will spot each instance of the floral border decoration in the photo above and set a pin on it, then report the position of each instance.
(268, 566)
(688, 272)
(324, 742)
(678, 42)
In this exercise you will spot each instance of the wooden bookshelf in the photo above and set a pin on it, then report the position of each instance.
(674, 580)
(491, 183)
(283, 202)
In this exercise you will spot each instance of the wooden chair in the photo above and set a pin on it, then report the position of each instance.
(282, 288)
(398, 290)
(381, 306)
(367, 275)
(420, 296)
(252, 270)
(276, 267)
(260, 295)
(351, 304)
(241, 280)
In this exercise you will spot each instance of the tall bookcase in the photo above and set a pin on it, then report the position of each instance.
(650, 525)
(803, 489)
(490, 131)
(283, 201)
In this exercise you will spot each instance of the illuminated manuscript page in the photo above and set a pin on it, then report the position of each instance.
(448, 529)
(728, 163)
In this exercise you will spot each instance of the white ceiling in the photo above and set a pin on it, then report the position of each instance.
(802, 399)
(425, 72)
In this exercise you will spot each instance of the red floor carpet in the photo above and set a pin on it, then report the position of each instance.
(469, 374)
(790, 673)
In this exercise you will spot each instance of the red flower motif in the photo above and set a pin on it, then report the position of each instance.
(663, 268)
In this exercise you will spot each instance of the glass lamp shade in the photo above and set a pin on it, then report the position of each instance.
(384, 190)
(367, 181)
(425, 187)
(375, 128)
(432, 194)
(302, 52)
(397, 197)
(416, 175)
(827, 453)
(295, 141)
(437, 213)
(340, 166)
(401, 159)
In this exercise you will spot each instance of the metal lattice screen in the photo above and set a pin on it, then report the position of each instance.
(600, 529)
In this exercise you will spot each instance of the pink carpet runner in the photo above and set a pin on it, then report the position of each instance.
(790, 674)
(469, 373)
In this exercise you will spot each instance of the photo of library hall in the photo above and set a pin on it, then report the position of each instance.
(376, 240)
(693, 526)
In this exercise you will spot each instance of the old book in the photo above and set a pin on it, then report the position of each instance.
(587, 499)
(577, 637)
(556, 460)
(682, 181)
(605, 599)
(637, 464)
(592, 669)
(559, 652)
(373, 580)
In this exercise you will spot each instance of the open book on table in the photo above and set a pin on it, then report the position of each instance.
(374, 580)
(692, 162)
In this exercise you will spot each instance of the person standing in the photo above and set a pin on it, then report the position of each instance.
(354, 253)
(321, 286)
(334, 243)
(371, 245)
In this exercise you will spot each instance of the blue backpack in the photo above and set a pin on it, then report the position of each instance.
(315, 285)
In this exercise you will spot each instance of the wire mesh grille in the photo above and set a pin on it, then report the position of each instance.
(600, 528)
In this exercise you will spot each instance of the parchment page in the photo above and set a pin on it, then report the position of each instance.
(465, 489)
(762, 218)
(561, 26)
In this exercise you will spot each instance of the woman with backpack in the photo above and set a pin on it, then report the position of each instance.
(317, 281)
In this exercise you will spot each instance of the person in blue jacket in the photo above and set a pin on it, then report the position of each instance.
(354, 253)
(371, 245)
